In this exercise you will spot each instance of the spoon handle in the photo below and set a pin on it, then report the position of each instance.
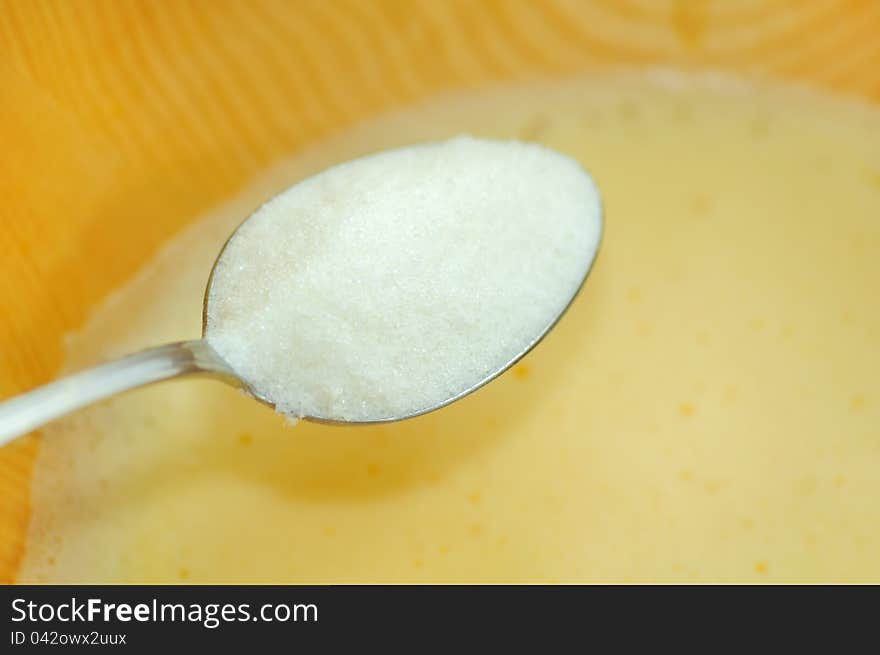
(21, 414)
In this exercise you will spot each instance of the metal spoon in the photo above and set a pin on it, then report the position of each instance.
(26, 412)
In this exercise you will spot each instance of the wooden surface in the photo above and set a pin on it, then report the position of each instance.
(121, 120)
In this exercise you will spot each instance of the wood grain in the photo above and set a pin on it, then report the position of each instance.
(122, 120)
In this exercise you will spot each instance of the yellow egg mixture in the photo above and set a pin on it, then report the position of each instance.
(709, 409)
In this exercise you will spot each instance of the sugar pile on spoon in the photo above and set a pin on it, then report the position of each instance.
(386, 285)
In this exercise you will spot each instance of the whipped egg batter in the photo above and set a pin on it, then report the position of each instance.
(708, 410)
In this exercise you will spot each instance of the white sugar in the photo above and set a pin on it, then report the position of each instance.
(386, 285)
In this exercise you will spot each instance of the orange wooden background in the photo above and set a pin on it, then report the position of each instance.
(122, 120)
